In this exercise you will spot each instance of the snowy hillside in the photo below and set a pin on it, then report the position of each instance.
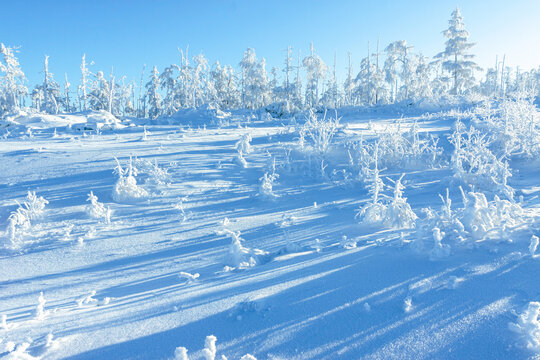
(373, 234)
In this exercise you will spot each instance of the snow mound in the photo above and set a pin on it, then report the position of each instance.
(205, 115)
(528, 326)
(88, 120)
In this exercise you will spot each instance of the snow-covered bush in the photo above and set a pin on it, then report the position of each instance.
(320, 132)
(209, 352)
(514, 124)
(385, 210)
(154, 175)
(87, 299)
(266, 186)
(244, 144)
(188, 276)
(19, 221)
(403, 148)
(126, 188)
(239, 256)
(243, 147)
(41, 313)
(97, 210)
(528, 326)
(475, 164)
(394, 148)
(478, 220)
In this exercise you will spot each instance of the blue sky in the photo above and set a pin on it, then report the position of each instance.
(128, 34)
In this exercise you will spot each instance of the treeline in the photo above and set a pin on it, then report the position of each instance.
(395, 74)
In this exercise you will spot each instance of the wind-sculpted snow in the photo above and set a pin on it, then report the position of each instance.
(356, 235)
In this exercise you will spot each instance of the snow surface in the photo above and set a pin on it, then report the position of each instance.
(311, 283)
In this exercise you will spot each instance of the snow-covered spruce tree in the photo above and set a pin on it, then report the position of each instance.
(12, 79)
(255, 85)
(167, 81)
(200, 80)
(364, 91)
(455, 58)
(316, 72)
(223, 80)
(47, 95)
(219, 79)
(184, 92)
(98, 97)
(332, 97)
(152, 95)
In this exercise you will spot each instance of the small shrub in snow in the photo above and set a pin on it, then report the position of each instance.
(514, 124)
(19, 221)
(320, 131)
(209, 352)
(126, 188)
(474, 163)
(477, 221)
(439, 250)
(154, 175)
(266, 186)
(41, 313)
(88, 299)
(407, 304)
(189, 277)
(238, 255)
(35, 205)
(243, 145)
(528, 326)
(384, 210)
(97, 210)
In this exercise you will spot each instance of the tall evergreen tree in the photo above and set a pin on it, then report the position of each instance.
(152, 94)
(455, 58)
(12, 79)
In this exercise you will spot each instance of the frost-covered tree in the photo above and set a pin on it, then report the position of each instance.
(396, 59)
(12, 80)
(200, 82)
(316, 72)
(167, 81)
(66, 100)
(364, 91)
(46, 96)
(420, 85)
(332, 97)
(348, 85)
(255, 84)
(83, 87)
(152, 94)
(288, 85)
(455, 58)
(297, 89)
(98, 97)
(223, 81)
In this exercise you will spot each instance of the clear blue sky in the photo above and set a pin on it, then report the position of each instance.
(127, 34)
